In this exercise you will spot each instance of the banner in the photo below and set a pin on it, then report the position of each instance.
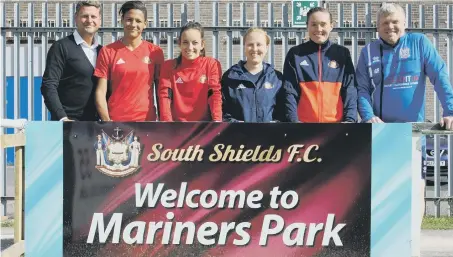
(216, 189)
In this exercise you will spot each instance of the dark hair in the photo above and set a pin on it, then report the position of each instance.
(132, 5)
(318, 9)
(190, 25)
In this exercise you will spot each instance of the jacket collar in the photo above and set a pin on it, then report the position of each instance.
(387, 45)
(315, 46)
(237, 70)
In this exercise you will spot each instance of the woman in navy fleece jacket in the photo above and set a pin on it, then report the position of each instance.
(252, 90)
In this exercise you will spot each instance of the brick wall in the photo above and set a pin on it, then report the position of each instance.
(206, 17)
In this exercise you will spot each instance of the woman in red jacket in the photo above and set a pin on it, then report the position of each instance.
(189, 86)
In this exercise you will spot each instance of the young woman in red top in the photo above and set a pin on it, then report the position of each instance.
(131, 65)
(189, 86)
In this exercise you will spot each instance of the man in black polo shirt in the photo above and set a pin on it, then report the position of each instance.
(68, 84)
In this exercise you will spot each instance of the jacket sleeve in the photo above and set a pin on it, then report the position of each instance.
(291, 88)
(154, 83)
(349, 91)
(286, 107)
(55, 63)
(364, 88)
(214, 88)
(227, 107)
(165, 92)
(436, 70)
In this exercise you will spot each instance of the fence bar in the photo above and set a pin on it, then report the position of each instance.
(340, 39)
(215, 34)
(436, 119)
(229, 43)
(3, 110)
(114, 22)
(16, 61)
(197, 11)
(30, 63)
(71, 13)
(285, 33)
(44, 37)
(368, 22)
(183, 14)
(243, 24)
(270, 23)
(450, 137)
(257, 14)
(156, 23)
(409, 15)
(58, 18)
(170, 34)
(19, 193)
(354, 35)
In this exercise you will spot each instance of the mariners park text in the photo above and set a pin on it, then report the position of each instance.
(228, 153)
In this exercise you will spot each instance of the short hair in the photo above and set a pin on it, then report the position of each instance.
(257, 29)
(81, 4)
(318, 9)
(133, 5)
(387, 9)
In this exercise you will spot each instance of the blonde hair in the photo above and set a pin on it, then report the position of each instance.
(257, 29)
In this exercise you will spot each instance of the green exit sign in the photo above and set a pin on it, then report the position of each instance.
(300, 10)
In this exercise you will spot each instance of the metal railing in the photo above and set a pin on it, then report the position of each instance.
(28, 29)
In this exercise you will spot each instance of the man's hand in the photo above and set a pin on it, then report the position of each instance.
(66, 119)
(447, 122)
(375, 119)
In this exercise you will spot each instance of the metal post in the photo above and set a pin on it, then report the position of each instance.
(368, 22)
(285, 33)
(16, 60)
(270, 23)
(354, 35)
(3, 110)
(340, 39)
(114, 21)
(450, 137)
(44, 37)
(30, 64)
(436, 119)
(243, 24)
(417, 194)
(215, 34)
(197, 10)
(170, 34)
(229, 48)
(156, 23)
(19, 193)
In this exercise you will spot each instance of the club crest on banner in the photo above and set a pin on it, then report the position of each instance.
(117, 155)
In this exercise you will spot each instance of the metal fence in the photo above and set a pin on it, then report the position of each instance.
(29, 28)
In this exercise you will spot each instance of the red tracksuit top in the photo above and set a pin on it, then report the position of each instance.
(191, 92)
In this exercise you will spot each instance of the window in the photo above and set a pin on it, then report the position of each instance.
(51, 24)
(23, 24)
(38, 24)
(347, 24)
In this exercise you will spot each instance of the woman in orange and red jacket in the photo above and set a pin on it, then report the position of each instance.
(189, 86)
(322, 74)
